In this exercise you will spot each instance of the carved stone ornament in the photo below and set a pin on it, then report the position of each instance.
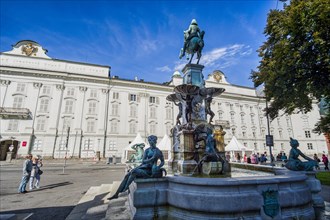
(271, 205)
(217, 76)
(29, 50)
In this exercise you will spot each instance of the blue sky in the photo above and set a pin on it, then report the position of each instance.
(141, 38)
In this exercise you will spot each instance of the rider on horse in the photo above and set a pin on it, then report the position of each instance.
(193, 31)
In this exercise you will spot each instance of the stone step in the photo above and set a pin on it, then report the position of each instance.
(96, 212)
(114, 188)
(118, 209)
(94, 197)
(105, 190)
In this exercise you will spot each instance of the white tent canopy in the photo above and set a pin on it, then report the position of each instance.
(137, 140)
(165, 145)
(234, 145)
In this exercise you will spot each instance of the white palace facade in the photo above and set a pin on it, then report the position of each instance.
(58, 108)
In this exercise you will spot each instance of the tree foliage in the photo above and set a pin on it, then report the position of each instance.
(295, 59)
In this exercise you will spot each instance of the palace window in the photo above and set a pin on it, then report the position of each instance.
(233, 131)
(133, 111)
(307, 134)
(252, 119)
(93, 93)
(288, 122)
(152, 99)
(13, 125)
(41, 124)
(114, 109)
(92, 107)
(18, 102)
(309, 146)
(244, 133)
(231, 107)
(255, 146)
(279, 122)
(132, 98)
(44, 103)
(66, 123)
(168, 113)
(70, 92)
(305, 121)
(112, 145)
(115, 95)
(68, 106)
(37, 145)
(220, 115)
(168, 128)
(280, 133)
(132, 127)
(153, 128)
(232, 117)
(20, 87)
(91, 125)
(242, 119)
(62, 144)
(88, 145)
(152, 112)
(114, 126)
(46, 90)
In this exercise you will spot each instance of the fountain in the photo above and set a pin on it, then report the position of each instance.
(198, 148)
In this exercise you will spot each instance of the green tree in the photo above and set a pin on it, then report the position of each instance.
(295, 59)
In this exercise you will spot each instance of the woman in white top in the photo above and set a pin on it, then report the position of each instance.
(35, 173)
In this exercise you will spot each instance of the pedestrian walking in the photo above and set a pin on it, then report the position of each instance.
(27, 168)
(325, 161)
(315, 157)
(35, 173)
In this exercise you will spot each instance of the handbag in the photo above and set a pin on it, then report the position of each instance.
(40, 172)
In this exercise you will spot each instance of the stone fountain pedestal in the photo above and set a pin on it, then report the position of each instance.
(187, 164)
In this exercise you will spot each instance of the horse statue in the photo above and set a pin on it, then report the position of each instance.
(194, 45)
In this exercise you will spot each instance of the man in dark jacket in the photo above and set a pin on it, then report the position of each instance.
(27, 168)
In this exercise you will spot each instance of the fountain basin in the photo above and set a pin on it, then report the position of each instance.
(180, 197)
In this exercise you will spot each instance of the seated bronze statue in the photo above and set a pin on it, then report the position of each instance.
(294, 163)
(147, 169)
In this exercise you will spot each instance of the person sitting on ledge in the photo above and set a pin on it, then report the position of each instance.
(147, 169)
(294, 163)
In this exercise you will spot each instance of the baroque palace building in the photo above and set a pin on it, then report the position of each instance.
(59, 108)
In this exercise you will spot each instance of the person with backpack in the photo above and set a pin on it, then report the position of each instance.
(35, 173)
(325, 160)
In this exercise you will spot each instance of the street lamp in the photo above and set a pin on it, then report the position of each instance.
(269, 137)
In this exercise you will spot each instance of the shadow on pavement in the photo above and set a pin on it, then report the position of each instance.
(58, 213)
(51, 186)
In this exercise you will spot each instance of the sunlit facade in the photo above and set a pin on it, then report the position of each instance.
(58, 108)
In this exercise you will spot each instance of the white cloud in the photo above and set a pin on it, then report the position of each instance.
(164, 69)
(148, 45)
(179, 65)
(222, 57)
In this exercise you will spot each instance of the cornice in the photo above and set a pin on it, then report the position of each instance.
(57, 75)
